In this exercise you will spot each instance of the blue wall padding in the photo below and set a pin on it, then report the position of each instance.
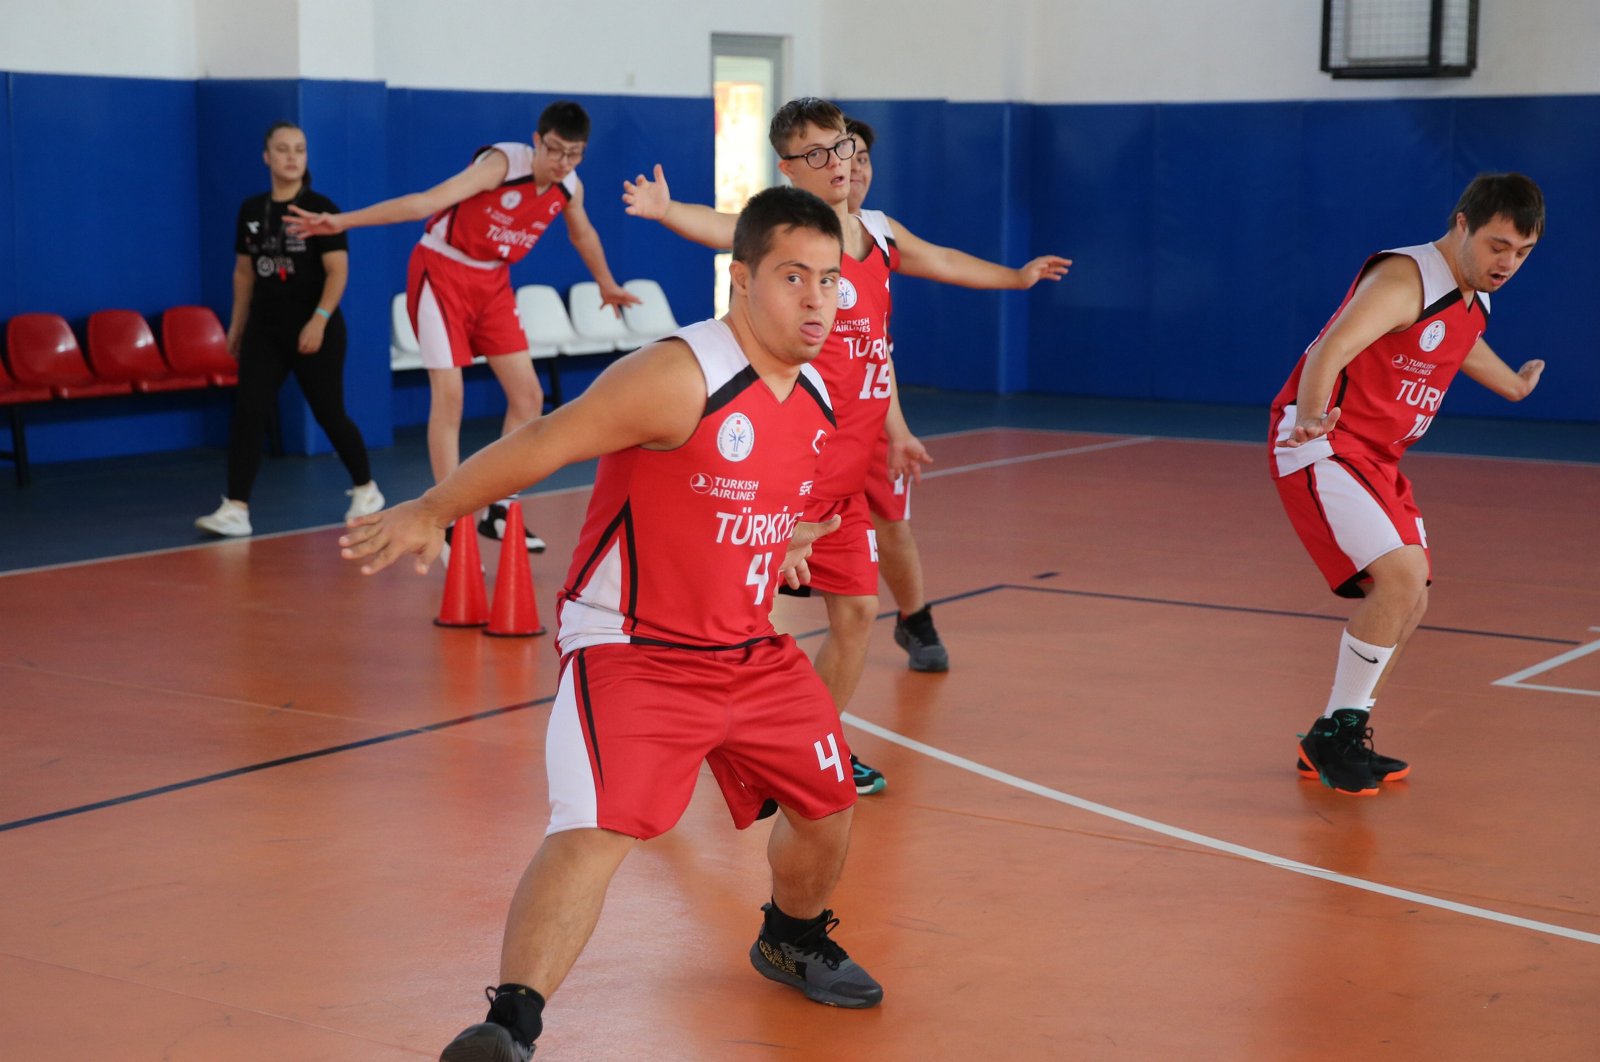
(1211, 241)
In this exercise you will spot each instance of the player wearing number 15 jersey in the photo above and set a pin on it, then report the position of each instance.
(1362, 394)
(706, 442)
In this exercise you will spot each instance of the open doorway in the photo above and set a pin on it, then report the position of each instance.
(746, 82)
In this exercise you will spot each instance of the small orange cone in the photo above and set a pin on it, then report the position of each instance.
(516, 613)
(465, 604)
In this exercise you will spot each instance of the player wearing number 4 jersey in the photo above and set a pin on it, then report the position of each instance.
(1362, 394)
(814, 153)
(707, 441)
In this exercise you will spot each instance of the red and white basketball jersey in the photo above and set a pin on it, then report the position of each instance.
(1390, 392)
(501, 225)
(682, 547)
(855, 362)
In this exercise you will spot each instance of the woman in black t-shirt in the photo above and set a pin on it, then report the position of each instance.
(286, 319)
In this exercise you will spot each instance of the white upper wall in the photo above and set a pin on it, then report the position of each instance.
(1050, 51)
(1175, 50)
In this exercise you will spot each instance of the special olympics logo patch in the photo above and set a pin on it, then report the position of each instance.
(1432, 336)
(511, 200)
(847, 294)
(736, 438)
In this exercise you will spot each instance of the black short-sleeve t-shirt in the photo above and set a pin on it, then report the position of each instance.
(288, 268)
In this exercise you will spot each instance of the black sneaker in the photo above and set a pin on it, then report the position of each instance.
(1339, 749)
(1384, 768)
(492, 524)
(869, 780)
(816, 966)
(915, 634)
(485, 1042)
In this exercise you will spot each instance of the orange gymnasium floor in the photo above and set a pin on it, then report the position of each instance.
(255, 806)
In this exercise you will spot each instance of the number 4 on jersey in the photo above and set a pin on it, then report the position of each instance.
(760, 572)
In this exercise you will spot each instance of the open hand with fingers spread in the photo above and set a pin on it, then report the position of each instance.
(384, 537)
(301, 222)
(1045, 267)
(647, 198)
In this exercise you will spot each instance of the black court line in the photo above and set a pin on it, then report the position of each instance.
(490, 713)
(282, 761)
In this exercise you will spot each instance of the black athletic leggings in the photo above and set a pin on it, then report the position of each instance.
(268, 353)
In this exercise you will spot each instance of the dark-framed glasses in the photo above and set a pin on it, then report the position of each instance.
(817, 158)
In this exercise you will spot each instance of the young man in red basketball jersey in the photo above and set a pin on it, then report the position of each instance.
(814, 153)
(889, 479)
(458, 291)
(1363, 392)
(708, 441)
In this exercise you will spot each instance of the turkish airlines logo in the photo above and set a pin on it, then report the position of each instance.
(736, 438)
(511, 200)
(1432, 336)
(700, 483)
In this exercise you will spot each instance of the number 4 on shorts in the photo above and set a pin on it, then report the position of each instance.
(829, 757)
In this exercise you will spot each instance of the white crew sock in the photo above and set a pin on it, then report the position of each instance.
(1356, 675)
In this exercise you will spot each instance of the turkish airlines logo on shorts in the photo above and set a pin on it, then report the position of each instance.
(736, 438)
(847, 294)
(511, 200)
(1432, 336)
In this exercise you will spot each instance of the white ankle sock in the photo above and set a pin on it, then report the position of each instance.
(1356, 675)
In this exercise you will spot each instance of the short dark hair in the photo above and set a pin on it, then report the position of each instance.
(565, 119)
(861, 131)
(1510, 194)
(780, 208)
(793, 116)
(266, 142)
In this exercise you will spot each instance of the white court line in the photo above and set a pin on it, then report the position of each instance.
(1277, 862)
(1515, 681)
(1134, 440)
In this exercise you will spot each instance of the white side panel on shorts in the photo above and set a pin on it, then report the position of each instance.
(1360, 525)
(1293, 459)
(573, 804)
(432, 337)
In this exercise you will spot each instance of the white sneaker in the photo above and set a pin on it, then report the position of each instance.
(364, 500)
(231, 520)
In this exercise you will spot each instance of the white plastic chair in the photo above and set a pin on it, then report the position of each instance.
(653, 316)
(598, 322)
(548, 328)
(404, 351)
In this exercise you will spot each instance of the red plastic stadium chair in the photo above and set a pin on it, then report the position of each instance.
(43, 352)
(122, 347)
(195, 345)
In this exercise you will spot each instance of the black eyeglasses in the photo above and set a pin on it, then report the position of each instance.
(817, 158)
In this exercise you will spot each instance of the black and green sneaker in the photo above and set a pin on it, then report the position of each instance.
(485, 1042)
(814, 964)
(1339, 749)
(868, 780)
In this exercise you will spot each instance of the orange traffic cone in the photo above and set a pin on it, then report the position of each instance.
(516, 613)
(465, 604)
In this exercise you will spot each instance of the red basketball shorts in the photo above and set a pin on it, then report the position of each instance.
(1349, 510)
(459, 311)
(888, 499)
(846, 561)
(631, 725)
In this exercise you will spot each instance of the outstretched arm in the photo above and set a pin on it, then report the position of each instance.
(651, 397)
(587, 242)
(1485, 366)
(647, 198)
(487, 172)
(919, 258)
